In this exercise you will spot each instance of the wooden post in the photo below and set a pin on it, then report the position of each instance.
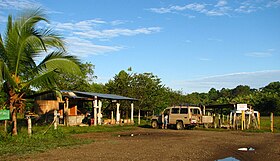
(259, 120)
(112, 117)
(99, 112)
(95, 110)
(271, 122)
(55, 119)
(118, 114)
(139, 117)
(234, 121)
(67, 112)
(220, 122)
(29, 126)
(243, 120)
(131, 115)
(230, 120)
(5, 126)
(214, 118)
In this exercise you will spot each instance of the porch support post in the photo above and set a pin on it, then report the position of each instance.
(95, 110)
(99, 112)
(139, 113)
(118, 113)
(131, 115)
(67, 112)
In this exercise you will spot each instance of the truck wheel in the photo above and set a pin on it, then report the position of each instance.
(179, 125)
(154, 124)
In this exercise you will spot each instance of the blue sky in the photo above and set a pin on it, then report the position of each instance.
(191, 45)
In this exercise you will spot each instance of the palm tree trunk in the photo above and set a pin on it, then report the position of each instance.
(14, 121)
(13, 111)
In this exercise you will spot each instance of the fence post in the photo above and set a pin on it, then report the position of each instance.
(29, 126)
(243, 120)
(259, 120)
(55, 119)
(271, 121)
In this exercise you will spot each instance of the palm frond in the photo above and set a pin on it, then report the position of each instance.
(5, 74)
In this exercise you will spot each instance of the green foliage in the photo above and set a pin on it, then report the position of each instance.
(146, 87)
(82, 82)
(265, 100)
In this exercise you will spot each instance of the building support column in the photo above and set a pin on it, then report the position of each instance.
(99, 112)
(67, 112)
(131, 115)
(118, 114)
(95, 110)
(139, 113)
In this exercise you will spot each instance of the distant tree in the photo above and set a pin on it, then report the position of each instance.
(213, 95)
(241, 90)
(148, 89)
(121, 84)
(273, 87)
(82, 82)
(267, 103)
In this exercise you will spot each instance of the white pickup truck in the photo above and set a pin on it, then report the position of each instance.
(181, 117)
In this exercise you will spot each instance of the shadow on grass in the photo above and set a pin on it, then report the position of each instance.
(145, 126)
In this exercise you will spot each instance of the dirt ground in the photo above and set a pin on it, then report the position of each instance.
(159, 144)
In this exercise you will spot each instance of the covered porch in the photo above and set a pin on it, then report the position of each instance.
(74, 100)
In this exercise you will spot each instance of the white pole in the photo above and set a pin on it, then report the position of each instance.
(29, 130)
(118, 113)
(95, 110)
(112, 117)
(99, 112)
(139, 117)
(55, 119)
(67, 112)
(131, 115)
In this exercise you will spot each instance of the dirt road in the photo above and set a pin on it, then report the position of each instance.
(158, 144)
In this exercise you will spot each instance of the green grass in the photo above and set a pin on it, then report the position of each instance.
(39, 142)
(265, 124)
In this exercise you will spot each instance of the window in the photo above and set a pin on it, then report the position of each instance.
(175, 111)
(184, 111)
(195, 111)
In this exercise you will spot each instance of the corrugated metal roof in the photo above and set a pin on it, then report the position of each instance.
(104, 96)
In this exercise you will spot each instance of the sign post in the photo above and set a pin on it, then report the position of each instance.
(5, 115)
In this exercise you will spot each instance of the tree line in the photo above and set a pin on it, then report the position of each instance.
(154, 96)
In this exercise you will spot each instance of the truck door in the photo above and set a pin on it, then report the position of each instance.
(195, 115)
(184, 115)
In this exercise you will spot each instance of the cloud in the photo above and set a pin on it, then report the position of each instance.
(160, 10)
(85, 48)
(221, 3)
(19, 4)
(273, 3)
(259, 54)
(215, 39)
(90, 29)
(111, 33)
(256, 79)
(218, 8)
(79, 35)
(85, 25)
(262, 54)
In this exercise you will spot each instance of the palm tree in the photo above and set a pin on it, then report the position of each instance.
(22, 43)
